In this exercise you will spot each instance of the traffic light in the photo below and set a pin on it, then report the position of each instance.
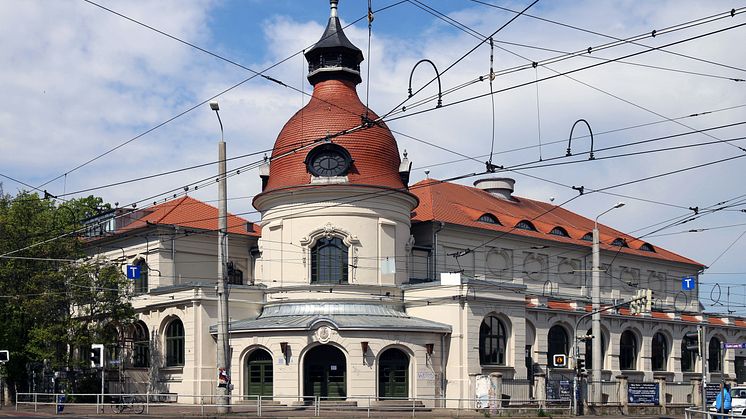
(580, 365)
(4, 356)
(97, 355)
(691, 341)
(559, 360)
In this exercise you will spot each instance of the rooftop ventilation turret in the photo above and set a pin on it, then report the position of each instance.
(499, 187)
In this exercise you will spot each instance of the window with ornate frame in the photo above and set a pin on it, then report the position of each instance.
(492, 341)
(175, 344)
(329, 261)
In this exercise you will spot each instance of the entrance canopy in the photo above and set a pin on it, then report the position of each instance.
(343, 316)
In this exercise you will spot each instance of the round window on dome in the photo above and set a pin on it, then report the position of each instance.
(328, 160)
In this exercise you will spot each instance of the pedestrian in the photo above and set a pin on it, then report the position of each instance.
(723, 400)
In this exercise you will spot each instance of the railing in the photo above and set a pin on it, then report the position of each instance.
(517, 390)
(185, 404)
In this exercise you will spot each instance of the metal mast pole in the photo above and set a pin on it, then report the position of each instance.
(223, 349)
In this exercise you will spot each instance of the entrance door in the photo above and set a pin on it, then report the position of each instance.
(259, 374)
(393, 374)
(325, 373)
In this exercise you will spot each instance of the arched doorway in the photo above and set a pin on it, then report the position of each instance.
(393, 374)
(259, 374)
(325, 373)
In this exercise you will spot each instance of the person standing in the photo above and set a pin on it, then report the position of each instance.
(723, 402)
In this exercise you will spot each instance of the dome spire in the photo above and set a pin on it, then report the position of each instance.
(334, 57)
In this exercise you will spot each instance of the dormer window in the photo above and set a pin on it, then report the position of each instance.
(559, 231)
(647, 247)
(587, 237)
(525, 225)
(619, 242)
(489, 219)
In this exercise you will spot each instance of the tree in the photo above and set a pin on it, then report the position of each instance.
(54, 301)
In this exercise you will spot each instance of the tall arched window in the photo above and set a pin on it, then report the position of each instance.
(688, 354)
(329, 261)
(141, 346)
(659, 351)
(559, 343)
(141, 283)
(492, 341)
(713, 355)
(589, 350)
(628, 351)
(175, 344)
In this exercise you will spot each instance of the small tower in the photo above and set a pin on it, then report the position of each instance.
(334, 56)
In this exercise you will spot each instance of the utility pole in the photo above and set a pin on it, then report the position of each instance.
(596, 306)
(223, 350)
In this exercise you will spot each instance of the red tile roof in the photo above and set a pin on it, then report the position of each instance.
(463, 205)
(335, 106)
(188, 212)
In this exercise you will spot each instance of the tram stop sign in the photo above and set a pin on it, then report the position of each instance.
(688, 283)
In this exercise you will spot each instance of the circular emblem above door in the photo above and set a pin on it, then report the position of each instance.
(324, 334)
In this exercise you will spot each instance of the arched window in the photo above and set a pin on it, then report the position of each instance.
(559, 231)
(659, 352)
(589, 350)
(688, 354)
(329, 261)
(492, 341)
(525, 225)
(647, 247)
(713, 355)
(141, 346)
(489, 218)
(587, 237)
(559, 343)
(619, 242)
(141, 283)
(175, 344)
(628, 351)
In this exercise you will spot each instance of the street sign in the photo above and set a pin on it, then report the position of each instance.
(133, 271)
(688, 283)
(734, 345)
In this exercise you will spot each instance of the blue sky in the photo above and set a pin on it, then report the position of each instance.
(80, 81)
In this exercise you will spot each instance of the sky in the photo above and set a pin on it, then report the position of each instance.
(92, 98)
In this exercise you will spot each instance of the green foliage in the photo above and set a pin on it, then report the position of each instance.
(51, 298)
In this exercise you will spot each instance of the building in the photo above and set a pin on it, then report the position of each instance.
(356, 283)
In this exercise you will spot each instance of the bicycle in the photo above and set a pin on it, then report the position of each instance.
(127, 403)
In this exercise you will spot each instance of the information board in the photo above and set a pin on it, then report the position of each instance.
(643, 393)
(711, 392)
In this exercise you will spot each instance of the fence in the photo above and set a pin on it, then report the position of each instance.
(516, 391)
(157, 404)
(680, 393)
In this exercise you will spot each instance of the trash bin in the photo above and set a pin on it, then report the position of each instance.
(60, 403)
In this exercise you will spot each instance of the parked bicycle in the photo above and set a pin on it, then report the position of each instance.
(127, 403)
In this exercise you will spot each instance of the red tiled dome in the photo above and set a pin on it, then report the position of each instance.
(335, 106)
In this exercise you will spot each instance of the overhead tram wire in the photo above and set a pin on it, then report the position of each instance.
(480, 36)
(254, 75)
(633, 42)
(479, 96)
(503, 26)
(585, 51)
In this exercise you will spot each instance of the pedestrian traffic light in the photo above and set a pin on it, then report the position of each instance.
(97, 355)
(4, 356)
(559, 360)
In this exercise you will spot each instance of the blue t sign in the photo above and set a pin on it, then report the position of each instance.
(687, 283)
(133, 272)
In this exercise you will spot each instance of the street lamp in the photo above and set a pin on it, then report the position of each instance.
(223, 350)
(596, 305)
